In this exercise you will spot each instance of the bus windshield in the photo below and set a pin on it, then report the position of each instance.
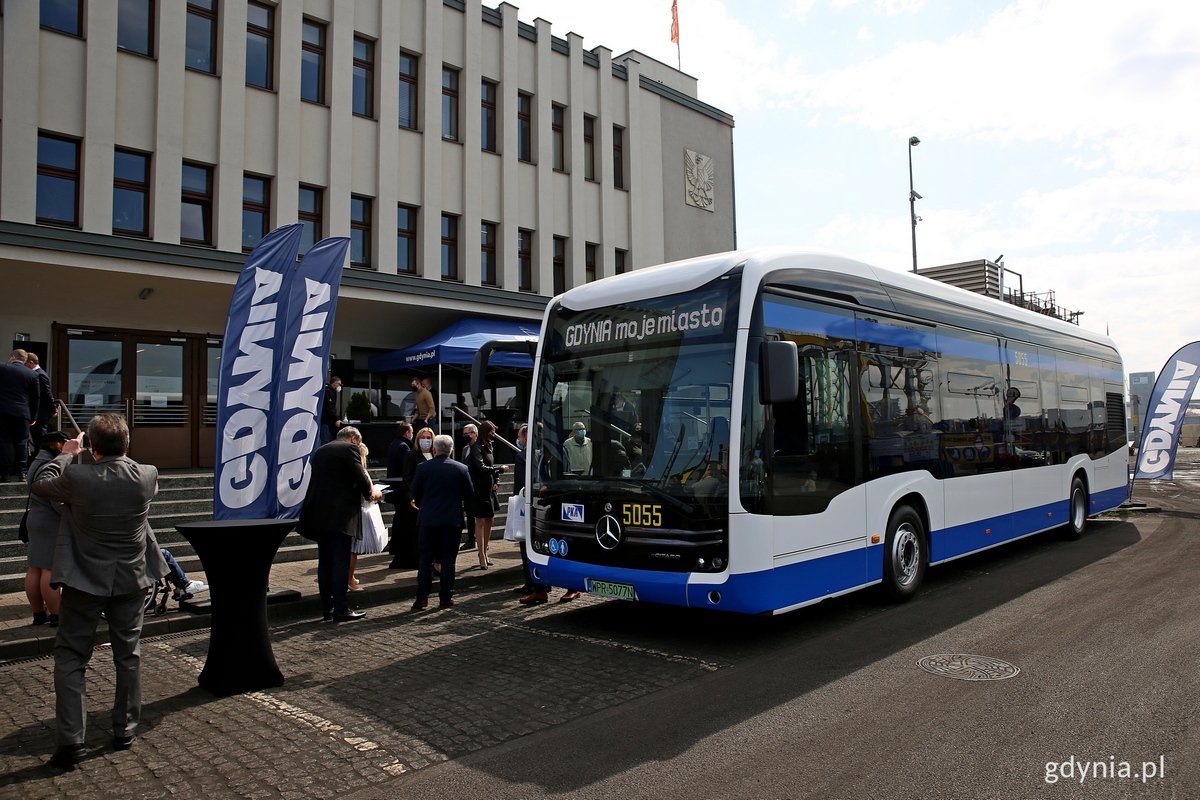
(648, 411)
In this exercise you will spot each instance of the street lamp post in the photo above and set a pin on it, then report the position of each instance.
(913, 197)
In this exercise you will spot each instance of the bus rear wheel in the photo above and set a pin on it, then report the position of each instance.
(1077, 510)
(904, 556)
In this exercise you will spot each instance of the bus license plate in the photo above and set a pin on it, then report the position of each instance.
(620, 591)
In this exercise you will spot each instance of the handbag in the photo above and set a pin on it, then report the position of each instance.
(515, 527)
(23, 526)
(373, 536)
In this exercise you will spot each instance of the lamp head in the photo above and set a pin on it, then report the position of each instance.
(913, 141)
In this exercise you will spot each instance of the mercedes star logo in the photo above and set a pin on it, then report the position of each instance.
(608, 532)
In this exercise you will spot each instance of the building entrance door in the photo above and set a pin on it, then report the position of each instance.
(158, 382)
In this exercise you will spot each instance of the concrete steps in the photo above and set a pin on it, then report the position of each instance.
(182, 496)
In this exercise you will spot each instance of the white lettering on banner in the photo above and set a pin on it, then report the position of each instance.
(301, 405)
(606, 330)
(243, 471)
(1160, 437)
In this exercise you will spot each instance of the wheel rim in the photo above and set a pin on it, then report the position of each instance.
(1078, 509)
(906, 554)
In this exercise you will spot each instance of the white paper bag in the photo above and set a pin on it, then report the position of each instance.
(515, 526)
(374, 538)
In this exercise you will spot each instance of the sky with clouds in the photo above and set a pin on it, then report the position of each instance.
(1063, 134)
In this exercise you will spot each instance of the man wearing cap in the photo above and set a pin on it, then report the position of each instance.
(18, 410)
(578, 450)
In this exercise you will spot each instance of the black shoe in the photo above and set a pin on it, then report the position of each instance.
(67, 756)
(52, 620)
(326, 616)
(348, 616)
(420, 605)
(39, 618)
(395, 565)
(466, 546)
(526, 589)
(447, 603)
(123, 742)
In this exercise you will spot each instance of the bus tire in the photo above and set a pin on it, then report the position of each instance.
(1077, 510)
(904, 554)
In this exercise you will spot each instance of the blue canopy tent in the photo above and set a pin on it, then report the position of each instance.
(457, 346)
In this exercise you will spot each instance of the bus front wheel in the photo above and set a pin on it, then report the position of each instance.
(1077, 510)
(904, 556)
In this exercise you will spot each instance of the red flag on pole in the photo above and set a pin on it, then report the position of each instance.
(675, 21)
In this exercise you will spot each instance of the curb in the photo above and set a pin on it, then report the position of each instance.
(42, 643)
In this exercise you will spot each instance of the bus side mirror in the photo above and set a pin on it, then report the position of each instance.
(779, 373)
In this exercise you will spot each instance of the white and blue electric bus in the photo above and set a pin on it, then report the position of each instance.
(758, 431)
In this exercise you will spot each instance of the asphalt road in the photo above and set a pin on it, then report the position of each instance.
(829, 702)
(604, 699)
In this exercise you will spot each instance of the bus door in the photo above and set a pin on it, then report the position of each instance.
(814, 445)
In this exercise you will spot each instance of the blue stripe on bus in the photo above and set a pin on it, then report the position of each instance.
(793, 584)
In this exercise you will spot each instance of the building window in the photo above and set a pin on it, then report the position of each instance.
(406, 239)
(525, 260)
(487, 254)
(195, 223)
(589, 261)
(621, 262)
(309, 215)
(260, 45)
(449, 247)
(201, 47)
(256, 210)
(557, 114)
(64, 16)
(363, 95)
(487, 116)
(131, 193)
(560, 264)
(58, 180)
(589, 148)
(135, 26)
(619, 157)
(524, 127)
(312, 62)
(408, 91)
(450, 104)
(360, 231)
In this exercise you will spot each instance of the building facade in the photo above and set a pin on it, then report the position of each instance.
(478, 163)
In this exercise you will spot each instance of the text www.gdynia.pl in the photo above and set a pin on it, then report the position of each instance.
(1077, 769)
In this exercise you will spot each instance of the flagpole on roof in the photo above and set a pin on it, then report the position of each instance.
(675, 34)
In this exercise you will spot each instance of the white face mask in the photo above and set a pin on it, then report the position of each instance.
(425, 444)
(337, 389)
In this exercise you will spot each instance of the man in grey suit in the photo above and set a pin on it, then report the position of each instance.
(440, 486)
(105, 560)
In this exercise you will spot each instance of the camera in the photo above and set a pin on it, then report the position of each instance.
(87, 445)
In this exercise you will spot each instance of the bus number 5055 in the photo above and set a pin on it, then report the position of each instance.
(642, 515)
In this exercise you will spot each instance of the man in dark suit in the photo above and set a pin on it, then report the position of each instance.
(331, 418)
(440, 487)
(337, 487)
(105, 560)
(18, 410)
(404, 519)
(46, 406)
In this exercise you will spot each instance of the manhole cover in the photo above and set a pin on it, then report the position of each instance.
(968, 668)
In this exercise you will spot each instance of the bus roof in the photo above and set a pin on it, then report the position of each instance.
(858, 282)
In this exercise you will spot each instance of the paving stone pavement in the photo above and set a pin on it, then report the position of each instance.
(363, 702)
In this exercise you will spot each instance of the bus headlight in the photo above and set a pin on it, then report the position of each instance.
(718, 563)
(700, 563)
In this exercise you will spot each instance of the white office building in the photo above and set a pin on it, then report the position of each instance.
(479, 164)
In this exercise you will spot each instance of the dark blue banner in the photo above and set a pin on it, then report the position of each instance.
(250, 360)
(306, 334)
(1164, 414)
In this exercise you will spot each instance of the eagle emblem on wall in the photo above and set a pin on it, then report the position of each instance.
(699, 180)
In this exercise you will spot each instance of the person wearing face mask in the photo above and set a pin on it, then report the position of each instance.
(422, 451)
(331, 419)
(578, 450)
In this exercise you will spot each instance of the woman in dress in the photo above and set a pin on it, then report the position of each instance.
(42, 523)
(480, 462)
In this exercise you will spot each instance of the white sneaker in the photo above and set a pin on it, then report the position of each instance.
(195, 587)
